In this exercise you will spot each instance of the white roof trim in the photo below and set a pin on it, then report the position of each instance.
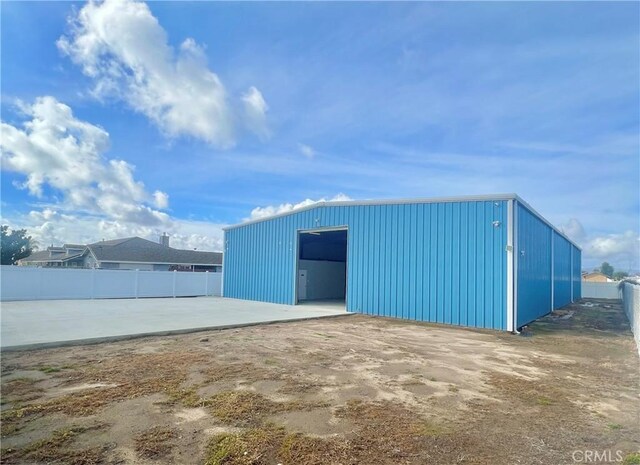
(462, 198)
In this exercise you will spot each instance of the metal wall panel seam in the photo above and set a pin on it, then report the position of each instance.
(454, 264)
(503, 264)
(445, 272)
(420, 272)
(296, 273)
(413, 309)
(472, 265)
(498, 258)
(405, 275)
(495, 266)
(553, 261)
(387, 262)
(248, 257)
(378, 248)
(395, 261)
(346, 271)
(510, 273)
(406, 301)
(433, 254)
(515, 266)
(378, 256)
(264, 257)
(482, 266)
(260, 257)
(464, 263)
(366, 283)
(441, 256)
(361, 259)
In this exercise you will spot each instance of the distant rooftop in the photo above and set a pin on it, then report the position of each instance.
(136, 249)
(128, 249)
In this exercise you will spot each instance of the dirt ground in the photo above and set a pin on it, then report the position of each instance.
(345, 390)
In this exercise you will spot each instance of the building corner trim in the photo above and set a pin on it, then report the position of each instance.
(224, 254)
(510, 267)
(553, 271)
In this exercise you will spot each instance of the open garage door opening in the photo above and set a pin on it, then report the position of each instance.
(322, 267)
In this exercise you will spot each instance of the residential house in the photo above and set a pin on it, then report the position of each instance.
(596, 277)
(131, 253)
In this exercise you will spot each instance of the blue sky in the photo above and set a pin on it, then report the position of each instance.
(223, 111)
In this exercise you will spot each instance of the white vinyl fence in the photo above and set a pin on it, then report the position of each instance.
(631, 303)
(28, 283)
(601, 290)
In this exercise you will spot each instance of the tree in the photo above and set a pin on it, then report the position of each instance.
(620, 275)
(15, 245)
(606, 269)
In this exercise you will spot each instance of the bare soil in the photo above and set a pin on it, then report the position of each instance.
(347, 390)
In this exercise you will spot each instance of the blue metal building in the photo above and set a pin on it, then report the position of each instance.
(483, 261)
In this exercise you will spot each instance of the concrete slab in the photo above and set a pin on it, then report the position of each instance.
(51, 323)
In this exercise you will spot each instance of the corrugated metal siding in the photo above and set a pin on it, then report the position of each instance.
(577, 273)
(561, 271)
(441, 262)
(534, 267)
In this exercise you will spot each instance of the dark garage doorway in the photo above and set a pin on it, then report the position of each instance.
(322, 267)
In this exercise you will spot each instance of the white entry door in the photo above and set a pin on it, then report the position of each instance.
(302, 285)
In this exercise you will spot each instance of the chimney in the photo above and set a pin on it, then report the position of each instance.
(164, 240)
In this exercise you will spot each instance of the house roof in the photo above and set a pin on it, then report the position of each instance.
(130, 249)
(594, 273)
(136, 249)
(45, 256)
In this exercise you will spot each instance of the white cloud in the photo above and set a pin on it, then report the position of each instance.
(47, 214)
(256, 108)
(161, 199)
(99, 197)
(50, 226)
(306, 150)
(620, 249)
(56, 149)
(574, 229)
(264, 212)
(616, 248)
(122, 46)
(200, 235)
(184, 234)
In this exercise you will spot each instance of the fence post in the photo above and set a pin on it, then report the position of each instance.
(174, 283)
(40, 282)
(206, 283)
(136, 282)
(93, 283)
